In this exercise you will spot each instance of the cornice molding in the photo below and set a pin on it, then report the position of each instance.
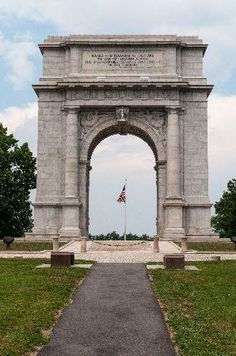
(116, 85)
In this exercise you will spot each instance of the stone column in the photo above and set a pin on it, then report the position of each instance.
(173, 154)
(161, 195)
(173, 202)
(89, 168)
(70, 202)
(84, 167)
(71, 154)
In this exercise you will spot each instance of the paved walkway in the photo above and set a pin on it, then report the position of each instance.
(121, 246)
(114, 313)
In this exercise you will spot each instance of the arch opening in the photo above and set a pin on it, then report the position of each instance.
(127, 130)
(115, 158)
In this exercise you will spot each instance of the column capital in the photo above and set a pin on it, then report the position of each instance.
(71, 108)
(85, 163)
(174, 109)
(160, 164)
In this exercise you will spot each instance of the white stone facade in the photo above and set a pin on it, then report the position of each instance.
(96, 86)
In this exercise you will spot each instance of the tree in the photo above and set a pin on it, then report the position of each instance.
(224, 222)
(17, 178)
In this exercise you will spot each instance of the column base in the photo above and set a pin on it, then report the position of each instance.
(70, 233)
(70, 219)
(33, 236)
(173, 233)
(203, 238)
(173, 218)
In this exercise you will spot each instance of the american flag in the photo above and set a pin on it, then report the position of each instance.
(121, 198)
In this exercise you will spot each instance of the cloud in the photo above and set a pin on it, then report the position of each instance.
(22, 122)
(212, 21)
(130, 152)
(16, 116)
(123, 14)
(17, 54)
(222, 128)
(222, 143)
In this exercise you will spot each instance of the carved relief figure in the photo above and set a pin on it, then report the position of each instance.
(88, 120)
(122, 113)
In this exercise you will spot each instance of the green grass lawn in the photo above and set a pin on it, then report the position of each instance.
(30, 300)
(200, 307)
(211, 246)
(28, 246)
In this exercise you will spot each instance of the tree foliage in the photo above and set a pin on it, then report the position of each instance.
(17, 178)
(224, 222)
(115, 236)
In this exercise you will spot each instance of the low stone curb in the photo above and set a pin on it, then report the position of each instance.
(80, 265)
(186, 268)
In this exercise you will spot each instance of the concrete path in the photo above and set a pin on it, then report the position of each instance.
(114, 313)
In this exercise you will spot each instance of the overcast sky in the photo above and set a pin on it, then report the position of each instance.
(25, 23)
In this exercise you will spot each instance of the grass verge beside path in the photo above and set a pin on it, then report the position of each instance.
(30, 300)
(200, 306)
(28, 246)
(211, 246)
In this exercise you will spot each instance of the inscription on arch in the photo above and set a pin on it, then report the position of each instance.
(124, 60)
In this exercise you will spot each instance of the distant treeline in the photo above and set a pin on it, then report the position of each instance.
(115, 236)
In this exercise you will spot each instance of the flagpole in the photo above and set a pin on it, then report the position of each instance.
(125, 210)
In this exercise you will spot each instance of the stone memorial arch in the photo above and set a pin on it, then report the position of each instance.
(96, 86)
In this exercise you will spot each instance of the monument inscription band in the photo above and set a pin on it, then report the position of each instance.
(96, 86)
(116, 60)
